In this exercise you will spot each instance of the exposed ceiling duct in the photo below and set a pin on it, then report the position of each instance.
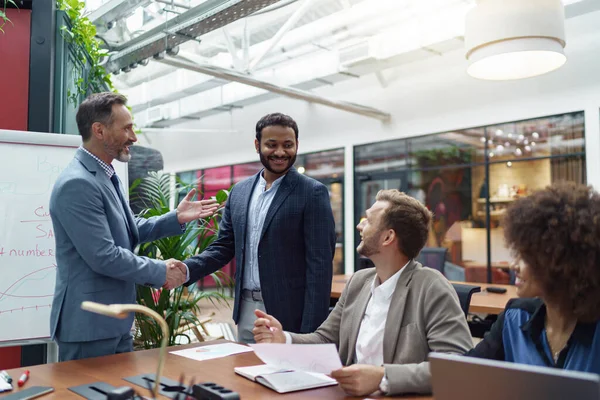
(331, 43)
(206, 17)
(105, 15)
(378, 52)
(235, 76)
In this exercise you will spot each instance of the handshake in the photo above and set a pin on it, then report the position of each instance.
(176, 274)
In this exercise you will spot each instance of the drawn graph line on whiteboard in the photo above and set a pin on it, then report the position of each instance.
(26, 308)
(5, 293)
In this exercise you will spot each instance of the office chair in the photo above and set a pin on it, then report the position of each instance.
(464, 295)
(433, 257)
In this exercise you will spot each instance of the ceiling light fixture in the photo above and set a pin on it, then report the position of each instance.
(514, 39)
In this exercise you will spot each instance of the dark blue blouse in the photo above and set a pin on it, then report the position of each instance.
(519, 335)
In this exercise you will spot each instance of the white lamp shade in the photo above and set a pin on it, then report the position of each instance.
(515, 39)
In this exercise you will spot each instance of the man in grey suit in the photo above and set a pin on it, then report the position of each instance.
(279, 226)
(96, 233)
(389, 317)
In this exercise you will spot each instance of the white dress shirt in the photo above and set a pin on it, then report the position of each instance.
(260, 202)
(369, 343)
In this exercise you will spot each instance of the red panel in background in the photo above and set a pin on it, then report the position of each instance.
(243, 171)
(14, 70)
(14, 104)
(10, 357)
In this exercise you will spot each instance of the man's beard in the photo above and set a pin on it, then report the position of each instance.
(365, 250)
(368, 247)
(121, 154)
(265, 162)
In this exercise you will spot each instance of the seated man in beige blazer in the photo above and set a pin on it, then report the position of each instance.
(389, 317)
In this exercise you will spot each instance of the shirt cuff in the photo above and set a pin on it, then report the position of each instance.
(288, 337)
(384, 386)
(187, 274)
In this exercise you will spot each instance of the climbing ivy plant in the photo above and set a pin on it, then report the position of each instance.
(3, 18)
(90, 75)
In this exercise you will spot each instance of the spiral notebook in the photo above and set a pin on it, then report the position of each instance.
(284, 381)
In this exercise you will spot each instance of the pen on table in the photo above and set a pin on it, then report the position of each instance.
(6, 376)
(23, 378)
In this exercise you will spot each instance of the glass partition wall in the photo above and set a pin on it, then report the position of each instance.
(467, 178)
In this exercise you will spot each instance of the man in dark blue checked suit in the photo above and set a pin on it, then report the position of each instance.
(279, 226)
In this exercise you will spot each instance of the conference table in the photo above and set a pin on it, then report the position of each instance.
(111, 370)
(483, 302)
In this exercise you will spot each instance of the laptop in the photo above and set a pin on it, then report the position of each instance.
(466, 378)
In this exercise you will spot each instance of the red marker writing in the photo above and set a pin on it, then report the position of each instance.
(23, 378)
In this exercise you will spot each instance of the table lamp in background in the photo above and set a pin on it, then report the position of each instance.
(121, 311)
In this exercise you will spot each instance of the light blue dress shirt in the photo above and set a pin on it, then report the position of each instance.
(260, 201)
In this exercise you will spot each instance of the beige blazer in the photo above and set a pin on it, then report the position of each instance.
(424, 316)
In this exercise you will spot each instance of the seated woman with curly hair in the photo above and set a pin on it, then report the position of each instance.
(555, 235)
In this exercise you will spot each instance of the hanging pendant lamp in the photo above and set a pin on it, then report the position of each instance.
(514, 39)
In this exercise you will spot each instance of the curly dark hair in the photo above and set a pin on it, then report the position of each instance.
(556, 232)
(275, 119)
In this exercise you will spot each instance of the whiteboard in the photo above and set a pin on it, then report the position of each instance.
(30, 162)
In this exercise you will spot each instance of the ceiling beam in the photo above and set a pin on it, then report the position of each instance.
(289, 24)
(207, 16)
(236, 76)
(105, 15)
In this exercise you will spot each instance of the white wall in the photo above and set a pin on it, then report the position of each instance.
(431, 96)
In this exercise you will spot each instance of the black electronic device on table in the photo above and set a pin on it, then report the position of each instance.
(200, 391)
(494, 289)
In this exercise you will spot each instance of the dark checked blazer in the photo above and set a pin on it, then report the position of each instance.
(295, 251)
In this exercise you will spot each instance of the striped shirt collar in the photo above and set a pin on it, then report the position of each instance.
(110, 171)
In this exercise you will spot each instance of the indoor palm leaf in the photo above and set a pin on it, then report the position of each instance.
(179, 307)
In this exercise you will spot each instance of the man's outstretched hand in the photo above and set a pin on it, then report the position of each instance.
(189, 210)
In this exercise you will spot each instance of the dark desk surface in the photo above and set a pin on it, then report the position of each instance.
(111, 369)
(483, 302)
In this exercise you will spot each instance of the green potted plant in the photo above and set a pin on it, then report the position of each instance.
(179, 307)
(90, 76)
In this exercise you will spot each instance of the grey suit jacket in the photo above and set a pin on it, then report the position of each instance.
(95, 236)
(424, 316)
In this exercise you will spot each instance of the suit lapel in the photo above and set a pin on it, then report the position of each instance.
(245, 196)
(396, 313)
(92, 165)
(286, 187)
(121, 206)
(362, 301)
(131, 224)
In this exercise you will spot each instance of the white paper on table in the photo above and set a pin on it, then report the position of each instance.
(321, 358)
(202, 353)
(4, 386)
